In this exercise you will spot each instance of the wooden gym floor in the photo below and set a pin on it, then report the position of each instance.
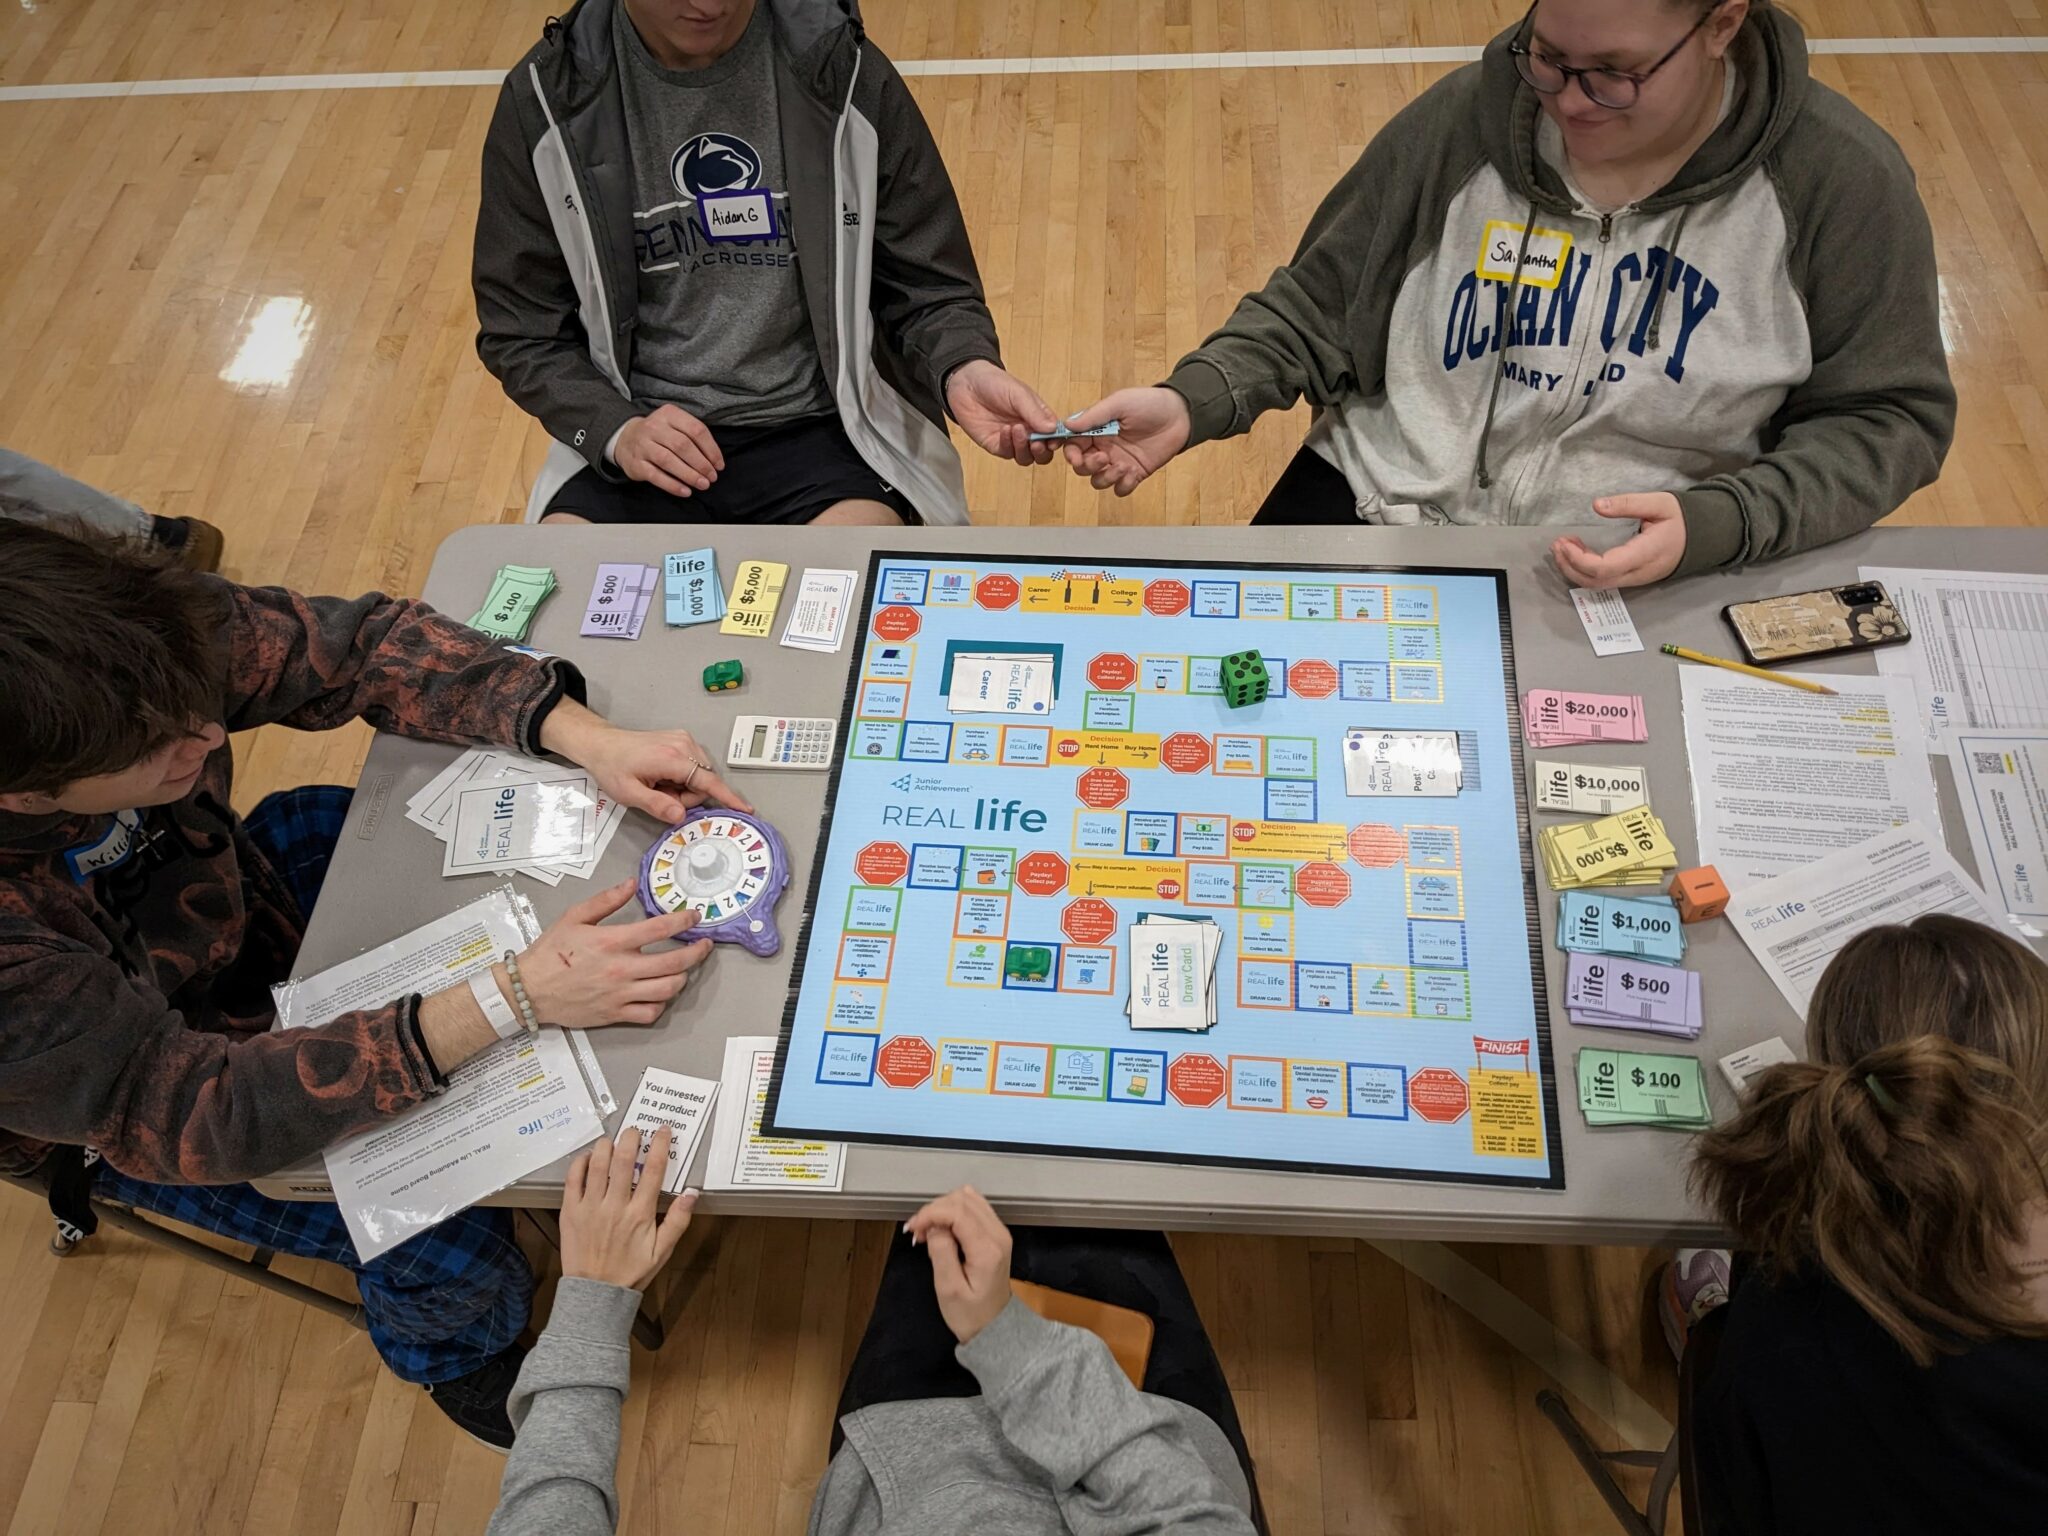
(252, 304)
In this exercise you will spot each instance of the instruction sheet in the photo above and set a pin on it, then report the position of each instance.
(506, 1113)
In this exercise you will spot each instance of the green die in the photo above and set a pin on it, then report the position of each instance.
(1245, 680)
(721, 675)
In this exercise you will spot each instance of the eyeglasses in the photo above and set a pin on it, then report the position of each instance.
(1614, 89)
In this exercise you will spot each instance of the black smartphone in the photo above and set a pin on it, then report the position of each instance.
(1858, 617)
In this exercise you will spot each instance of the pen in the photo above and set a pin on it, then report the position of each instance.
(1737, 666)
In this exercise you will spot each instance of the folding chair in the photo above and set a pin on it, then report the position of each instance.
(648, 1329)
(255, 1269)
(1126, 1331)
(1672, 1465)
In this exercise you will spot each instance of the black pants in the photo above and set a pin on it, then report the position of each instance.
(785, 473)
(1309, 493)
(907, 1352)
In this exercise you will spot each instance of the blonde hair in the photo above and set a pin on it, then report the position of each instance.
(1904, 1158)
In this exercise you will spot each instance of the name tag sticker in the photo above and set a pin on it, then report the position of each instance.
(1542, 264)
(110, 851)
(741, 215)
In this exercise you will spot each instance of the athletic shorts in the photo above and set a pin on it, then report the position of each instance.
(785, 473)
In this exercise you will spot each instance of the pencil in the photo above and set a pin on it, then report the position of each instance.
(1740, 666)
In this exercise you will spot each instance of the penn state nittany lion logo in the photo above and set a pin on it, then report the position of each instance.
(715, 162)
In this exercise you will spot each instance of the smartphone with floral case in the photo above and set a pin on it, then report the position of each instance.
(1857, 617)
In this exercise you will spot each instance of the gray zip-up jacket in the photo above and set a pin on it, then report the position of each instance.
(1057, 1442)
(1761, 337)
(888, 273)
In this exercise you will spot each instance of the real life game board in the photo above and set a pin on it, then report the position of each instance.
(964, 971)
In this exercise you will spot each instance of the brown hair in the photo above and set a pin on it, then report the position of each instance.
(107, 652)
(1903, 1159)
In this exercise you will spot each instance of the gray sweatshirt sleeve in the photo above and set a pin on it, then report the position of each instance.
(561, 1478)
(1872, 422)
(1318, 329)
(1120, 1462)
(1289, 339)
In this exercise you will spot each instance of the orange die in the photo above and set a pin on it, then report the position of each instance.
(1699, 894)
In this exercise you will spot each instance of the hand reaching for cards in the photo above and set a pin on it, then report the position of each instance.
(612, 1228)
(1653, 554)
(669, 449)
(970, 1250)
(663, 773)
(999, 411)
(1153, 427)
(585, 973)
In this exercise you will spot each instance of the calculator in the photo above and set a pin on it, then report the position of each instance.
(764, 741)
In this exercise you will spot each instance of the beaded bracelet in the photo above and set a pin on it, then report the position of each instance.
(519, 996)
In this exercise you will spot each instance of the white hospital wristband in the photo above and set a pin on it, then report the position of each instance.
(484, 988)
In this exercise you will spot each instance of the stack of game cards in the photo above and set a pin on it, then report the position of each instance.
(1590, 789)
(516, 591)
(1552, 717)
(690, 590)
(1419, 763)
(1630, 848)
(1643, 1088)
(618, 601)
(1002, 683)
(817, 621)
(499, 812)
(1611, 992)
(1637, 927)
(1173, 972)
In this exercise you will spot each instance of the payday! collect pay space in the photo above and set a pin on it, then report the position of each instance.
(1626, 1190)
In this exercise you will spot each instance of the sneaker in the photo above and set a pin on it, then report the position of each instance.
(476, 1402)
(197, 543)
(1692, 1285)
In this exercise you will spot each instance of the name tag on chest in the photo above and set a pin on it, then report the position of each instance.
(1542, 262)
(111, 850)
(738, 215)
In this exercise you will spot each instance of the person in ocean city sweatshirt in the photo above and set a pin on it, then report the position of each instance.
(1636, 265)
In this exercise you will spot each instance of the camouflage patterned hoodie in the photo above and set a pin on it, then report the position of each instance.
(137, 951)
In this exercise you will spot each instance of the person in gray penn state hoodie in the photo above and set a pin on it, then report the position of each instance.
(610, 310)
(1633, 264)
(1057, 1440)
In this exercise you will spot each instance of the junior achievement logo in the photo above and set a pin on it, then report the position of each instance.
(926, 784)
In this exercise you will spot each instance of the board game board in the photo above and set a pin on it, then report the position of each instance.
(961, 978)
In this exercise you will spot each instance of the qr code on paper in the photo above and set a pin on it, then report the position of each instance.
(1989, 762)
